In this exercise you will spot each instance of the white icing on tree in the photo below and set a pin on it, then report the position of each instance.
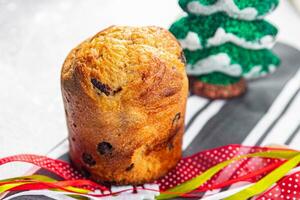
(227, 6)
(272, 68)
(215, 63)
(191, 42)
(255, 72)
(268, 41)
(221, 37)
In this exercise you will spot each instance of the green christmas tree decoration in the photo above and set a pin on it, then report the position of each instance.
(240, 9)
(225, 41)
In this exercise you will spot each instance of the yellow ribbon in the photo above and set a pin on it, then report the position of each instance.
(267, 181)
(196, 182)
(29, 179)
(292, 157)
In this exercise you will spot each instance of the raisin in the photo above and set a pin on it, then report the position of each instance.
(176, 118)
(169, 92)
(130, 167)
(101, 86)
(170, 146)
(105, 88)
(117, 90)
(104, 148)
(88, 159)
(144, 77)
(182, 57)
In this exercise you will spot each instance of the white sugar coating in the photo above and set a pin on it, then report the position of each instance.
(215, 63)
(191, 42)
(227, 6)
(222, 37)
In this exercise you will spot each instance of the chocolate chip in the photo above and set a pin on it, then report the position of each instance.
(130, 167)
(104, 148)
(73, 139)
(74, 125)
(88, 159)
(101, 86)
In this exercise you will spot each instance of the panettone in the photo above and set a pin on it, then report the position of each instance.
(125, 92)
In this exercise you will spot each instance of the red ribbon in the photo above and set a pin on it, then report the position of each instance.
(250, 169)
(286, 188)
(58, 167)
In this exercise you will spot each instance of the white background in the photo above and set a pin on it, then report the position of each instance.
(36, 36)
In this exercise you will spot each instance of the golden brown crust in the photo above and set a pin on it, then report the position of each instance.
(217, 91)
(125, 92)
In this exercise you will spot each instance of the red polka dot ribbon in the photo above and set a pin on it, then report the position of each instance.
(60, 168)
(250, 169)
(243, 170)
(287, 188)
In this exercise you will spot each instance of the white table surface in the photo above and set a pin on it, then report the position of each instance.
(36, 36)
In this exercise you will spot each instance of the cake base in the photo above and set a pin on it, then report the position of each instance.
(213, 91)
(148, 163)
